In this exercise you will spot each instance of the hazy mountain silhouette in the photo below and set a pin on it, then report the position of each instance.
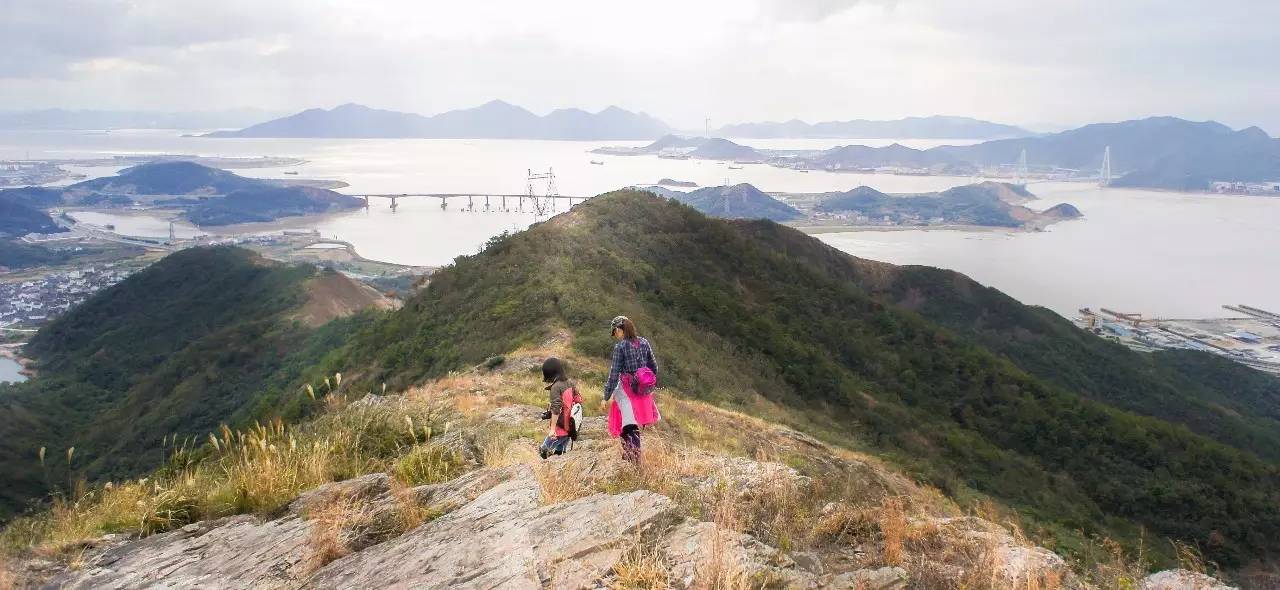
(495, 119)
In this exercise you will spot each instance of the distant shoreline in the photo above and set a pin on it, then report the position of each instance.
(838, 229)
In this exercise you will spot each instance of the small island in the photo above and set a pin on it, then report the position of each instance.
(974, 206)
(206, 196)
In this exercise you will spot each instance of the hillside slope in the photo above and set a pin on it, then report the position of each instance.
(739, 201)
(742, 320)
(200, 338)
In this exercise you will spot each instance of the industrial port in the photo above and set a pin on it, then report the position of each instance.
(1250, 336)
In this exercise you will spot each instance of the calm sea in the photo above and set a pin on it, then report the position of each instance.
(1169, 254)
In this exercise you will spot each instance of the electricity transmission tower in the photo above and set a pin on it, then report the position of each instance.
(1104, 175)
(547, 202)
(1020, 175)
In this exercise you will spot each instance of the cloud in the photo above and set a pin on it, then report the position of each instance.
(1063, 61)
(813, 10)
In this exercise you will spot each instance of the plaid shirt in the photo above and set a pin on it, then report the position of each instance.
(628, 358)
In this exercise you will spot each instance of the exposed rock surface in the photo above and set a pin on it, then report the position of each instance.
(1181, 580)
(885, 578)
(505, 539)
(701, 553)
(489, 528)
(239, 552)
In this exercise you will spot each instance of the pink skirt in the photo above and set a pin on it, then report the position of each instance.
(643, 408)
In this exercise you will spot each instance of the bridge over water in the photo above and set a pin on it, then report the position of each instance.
(539, 204)
(530, 200)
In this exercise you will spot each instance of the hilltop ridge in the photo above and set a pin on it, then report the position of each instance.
(945, 381)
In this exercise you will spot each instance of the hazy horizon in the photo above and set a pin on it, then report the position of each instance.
(1048, 67)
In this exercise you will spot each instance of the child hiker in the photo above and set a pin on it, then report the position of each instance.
(630, 387)
(564, 412)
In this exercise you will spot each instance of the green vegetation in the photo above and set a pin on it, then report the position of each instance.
(751, 311)
(266, 203)
(740, 201)
(198, 339)
(963, 387)
(15, 255)
(19, 219)
(975, 204)
(214, 197)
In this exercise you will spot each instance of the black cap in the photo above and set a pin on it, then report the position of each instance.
(552, 369)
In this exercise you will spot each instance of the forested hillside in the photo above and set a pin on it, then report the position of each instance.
(201, 338)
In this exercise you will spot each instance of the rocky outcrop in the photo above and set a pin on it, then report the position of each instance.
(885, 578)
(238, 552)
(505, 539)
(495, 527)
(703, 554)
(1181, 580)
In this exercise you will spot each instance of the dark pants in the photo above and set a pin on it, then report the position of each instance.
(553, 445)
(631, 443)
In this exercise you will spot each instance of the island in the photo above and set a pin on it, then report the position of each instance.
(1164, 153)
(206, 196)
(973, 206)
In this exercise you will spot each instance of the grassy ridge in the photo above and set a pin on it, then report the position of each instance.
(742, 312)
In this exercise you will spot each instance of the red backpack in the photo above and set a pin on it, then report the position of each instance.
(570, 419)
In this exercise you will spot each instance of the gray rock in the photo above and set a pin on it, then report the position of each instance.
(697, 550)
(360, 488)
(885, 578)
(517, 415)
(504, 539)
(808, 561)
(1181, 580)
(237, 552)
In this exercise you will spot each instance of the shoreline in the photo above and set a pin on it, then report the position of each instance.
(837, 229)
(10, 351)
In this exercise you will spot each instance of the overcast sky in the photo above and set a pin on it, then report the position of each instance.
(1041, 63)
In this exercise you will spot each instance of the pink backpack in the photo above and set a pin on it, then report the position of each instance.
(645, 381)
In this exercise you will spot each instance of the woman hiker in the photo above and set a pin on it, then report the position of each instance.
(630, 384)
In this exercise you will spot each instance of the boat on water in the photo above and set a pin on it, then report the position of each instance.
(735, 167)
(597, 162)
(292, 172)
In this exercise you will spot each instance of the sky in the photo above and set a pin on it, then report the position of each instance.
(1044, 64)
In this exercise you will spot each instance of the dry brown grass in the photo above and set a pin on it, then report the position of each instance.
(1108, 566)
(255, 470)
(331, 525)
(8, 579)
(641, 568)
(893, 528)
(560, 482)
(845, 524)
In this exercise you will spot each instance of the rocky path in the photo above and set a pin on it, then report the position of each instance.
(501, 527)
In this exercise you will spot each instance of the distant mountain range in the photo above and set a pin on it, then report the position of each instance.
(1157, 152)
(935, 127)
(63, 119)
(495, 119)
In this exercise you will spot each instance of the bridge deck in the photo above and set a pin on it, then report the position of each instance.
(456, 195)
